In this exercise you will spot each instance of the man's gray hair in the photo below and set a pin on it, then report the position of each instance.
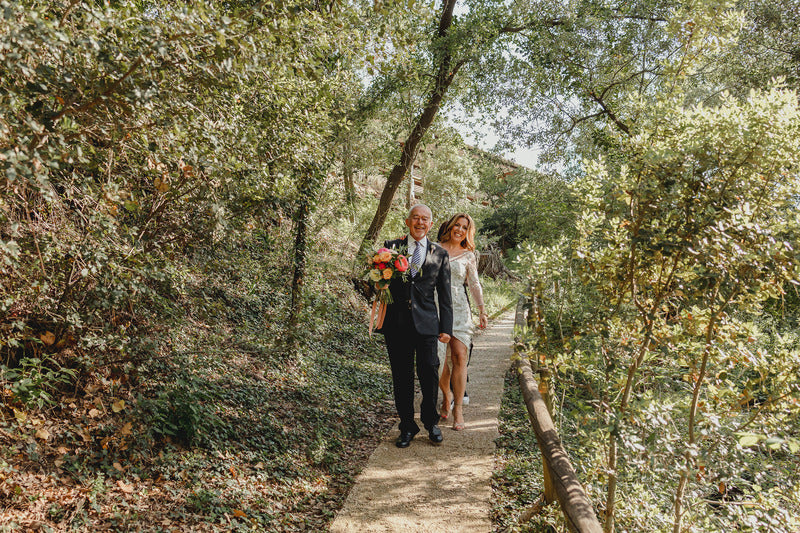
(419, 205)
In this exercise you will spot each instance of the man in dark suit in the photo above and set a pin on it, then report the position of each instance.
(413, 326)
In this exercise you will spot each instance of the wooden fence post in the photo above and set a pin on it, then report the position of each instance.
(535, 323)
(578, 511)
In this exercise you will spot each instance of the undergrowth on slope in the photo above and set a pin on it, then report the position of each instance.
(217, 427)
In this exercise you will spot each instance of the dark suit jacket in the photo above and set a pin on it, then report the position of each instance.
(419, 291)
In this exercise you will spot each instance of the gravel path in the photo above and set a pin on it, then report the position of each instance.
(427, 488)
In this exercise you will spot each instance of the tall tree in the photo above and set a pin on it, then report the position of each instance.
(686, 229)
(445, 71)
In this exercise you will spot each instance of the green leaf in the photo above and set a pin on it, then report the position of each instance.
(749, 439)
(794, 445)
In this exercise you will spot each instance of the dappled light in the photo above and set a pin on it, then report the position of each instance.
(188, 191)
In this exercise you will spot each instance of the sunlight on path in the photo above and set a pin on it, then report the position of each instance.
(427, 488)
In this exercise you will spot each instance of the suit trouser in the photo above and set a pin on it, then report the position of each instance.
(402, 348)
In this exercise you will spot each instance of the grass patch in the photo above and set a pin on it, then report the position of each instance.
(499, 295)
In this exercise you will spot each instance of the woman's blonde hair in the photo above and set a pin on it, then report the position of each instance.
(469, 240)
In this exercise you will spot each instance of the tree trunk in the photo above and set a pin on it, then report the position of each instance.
(349, 189)
(444, 78)
(698, 384)
(608, 522)
(308, 193)
(299, 264)
(411, 199)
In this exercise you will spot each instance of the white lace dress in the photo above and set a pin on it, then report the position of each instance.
(463, 271)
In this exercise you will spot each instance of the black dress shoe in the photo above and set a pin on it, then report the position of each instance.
(435, 434)
(404, 440)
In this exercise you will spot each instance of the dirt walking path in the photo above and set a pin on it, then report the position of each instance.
(426, 488)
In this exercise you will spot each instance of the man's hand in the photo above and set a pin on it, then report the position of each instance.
(444, 338)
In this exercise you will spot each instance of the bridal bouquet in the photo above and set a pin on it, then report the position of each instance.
(383, 265)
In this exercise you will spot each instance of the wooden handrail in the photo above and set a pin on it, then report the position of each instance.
(576, 506)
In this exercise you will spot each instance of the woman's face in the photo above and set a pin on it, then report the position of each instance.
(459, 230)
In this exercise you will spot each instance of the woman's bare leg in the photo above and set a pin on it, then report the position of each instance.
(444, 385)
(458, 378)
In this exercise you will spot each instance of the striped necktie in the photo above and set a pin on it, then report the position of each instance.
(416, 259)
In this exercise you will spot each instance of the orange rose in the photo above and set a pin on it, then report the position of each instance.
(387, 273)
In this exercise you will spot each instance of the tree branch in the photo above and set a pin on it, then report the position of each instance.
(599, 99)
(109, 90)
(519, 28)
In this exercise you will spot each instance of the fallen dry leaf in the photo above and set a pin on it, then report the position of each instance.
(48, 338)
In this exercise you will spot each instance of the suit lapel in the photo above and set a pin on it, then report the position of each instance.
(428, 255)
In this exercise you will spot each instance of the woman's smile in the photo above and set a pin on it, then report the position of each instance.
(459, 230)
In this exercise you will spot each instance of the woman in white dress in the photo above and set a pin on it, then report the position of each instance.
(458, 238)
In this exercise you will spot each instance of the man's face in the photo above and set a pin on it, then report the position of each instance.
(419, 222)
